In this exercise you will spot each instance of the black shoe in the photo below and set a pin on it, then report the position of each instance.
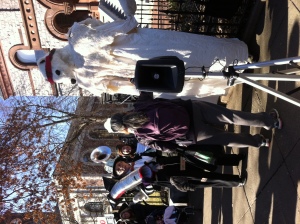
(277, 121)
(265, 142)
(242, 157)
(243, 180)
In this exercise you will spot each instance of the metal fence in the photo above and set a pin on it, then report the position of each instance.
(223, 18)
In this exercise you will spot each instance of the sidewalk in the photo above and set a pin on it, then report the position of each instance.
(271, 192)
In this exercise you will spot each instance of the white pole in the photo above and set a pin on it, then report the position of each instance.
(271, 91)
(252, 76)
(267, 63)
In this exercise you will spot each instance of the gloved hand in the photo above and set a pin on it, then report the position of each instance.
(182, 184)
(164, 146)
(140, 196)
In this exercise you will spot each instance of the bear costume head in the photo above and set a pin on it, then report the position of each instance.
(80, 58)
(61, 72)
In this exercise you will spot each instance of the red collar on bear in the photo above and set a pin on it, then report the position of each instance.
(49, 67)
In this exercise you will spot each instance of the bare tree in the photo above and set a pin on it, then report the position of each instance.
(33, 138)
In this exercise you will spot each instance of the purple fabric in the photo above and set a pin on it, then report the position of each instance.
(168, 121)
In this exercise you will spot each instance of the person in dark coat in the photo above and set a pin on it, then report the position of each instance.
(161, 174)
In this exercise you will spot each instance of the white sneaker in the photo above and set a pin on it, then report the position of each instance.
(140, 196)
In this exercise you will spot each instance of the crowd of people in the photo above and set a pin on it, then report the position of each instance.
(167, 131)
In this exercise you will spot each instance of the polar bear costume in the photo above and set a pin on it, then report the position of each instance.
(101, 57)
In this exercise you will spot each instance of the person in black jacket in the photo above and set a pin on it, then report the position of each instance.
(172, 157)
(161, 174)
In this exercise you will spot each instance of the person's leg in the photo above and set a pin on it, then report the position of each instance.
(226, 181)
(175, 170)
(208, 178)
(208, 135)
(187, 183)
(229, 159)
(197, 178)
(221, 180)
(163, 160)
(214, 114)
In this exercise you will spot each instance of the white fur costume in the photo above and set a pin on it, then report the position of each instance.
(101, 57)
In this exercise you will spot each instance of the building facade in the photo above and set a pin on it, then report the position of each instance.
(29, 28)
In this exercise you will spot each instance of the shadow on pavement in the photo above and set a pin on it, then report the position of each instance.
(276, 197)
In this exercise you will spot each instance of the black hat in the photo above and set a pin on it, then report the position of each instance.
(118, 159)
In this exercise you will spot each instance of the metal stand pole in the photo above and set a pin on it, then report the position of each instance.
(251, 79)
(262, 64)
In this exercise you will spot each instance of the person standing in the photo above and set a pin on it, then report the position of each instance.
(160, 123)
(162, 173)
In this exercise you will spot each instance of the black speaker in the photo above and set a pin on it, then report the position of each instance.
(161, 74)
